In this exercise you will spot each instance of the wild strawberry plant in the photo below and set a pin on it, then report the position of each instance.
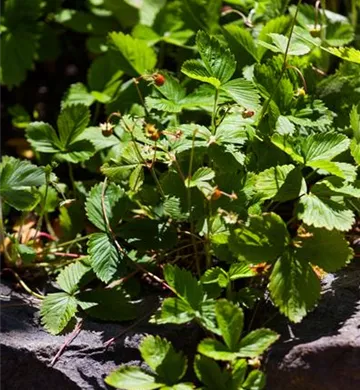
(212, 153)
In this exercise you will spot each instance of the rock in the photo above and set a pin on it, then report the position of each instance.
(27, 350)
(323, 351)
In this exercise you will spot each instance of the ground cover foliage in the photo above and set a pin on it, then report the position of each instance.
(211, 152)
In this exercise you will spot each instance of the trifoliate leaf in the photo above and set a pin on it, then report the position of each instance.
(322, 212)
(294, 287)
(27, 254)
(160, 355)
(68, 145)
(70, 277)
(104, 257)
(132, 378)
(217, 65)
(133, 56)
(263, 240)
(281, 183)
(17, 178)
(57, 309)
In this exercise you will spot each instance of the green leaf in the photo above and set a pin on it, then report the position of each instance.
(133, 55)
(294, 287)
(104, 257)
(71, 123)
(113, 204)
(77, 94)
(68, 146)
(161, 357)
(324, 146)
(297, 46)
(132, 378)
(16, 181)
(230, 319)
(201, 14)
(70, 277)
(284, 126)
(333, 186)
(210, 374)
(26, 253)
(57, 309)
(355, 150)
(276, 25)
(283, 143)
(345, 53)
(263, 240)
(185, 285)
(333, 168)
(256, 342)
(239, 39)
(199, 177)
(107, 304)
(19, 41)
(327, 249)
(43, 137)
(240, 270)
(281, 183)
(324, 213)
(355, 122)
(216, 350)
(243, 92)
(174, 311)
(255, 381)
(217, 65)
(215, 275)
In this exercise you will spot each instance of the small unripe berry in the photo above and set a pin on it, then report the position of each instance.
(107, 129)
(248, 113)
(152, 132)
(216, 194)
(159, 79)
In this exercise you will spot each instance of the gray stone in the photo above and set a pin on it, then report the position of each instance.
(27, 350)
(323, 351)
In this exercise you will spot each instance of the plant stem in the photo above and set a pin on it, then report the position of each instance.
(71, 176)
(42, 212)
(24, 285)
(213, 116)
(284, 66)
(192, 227)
